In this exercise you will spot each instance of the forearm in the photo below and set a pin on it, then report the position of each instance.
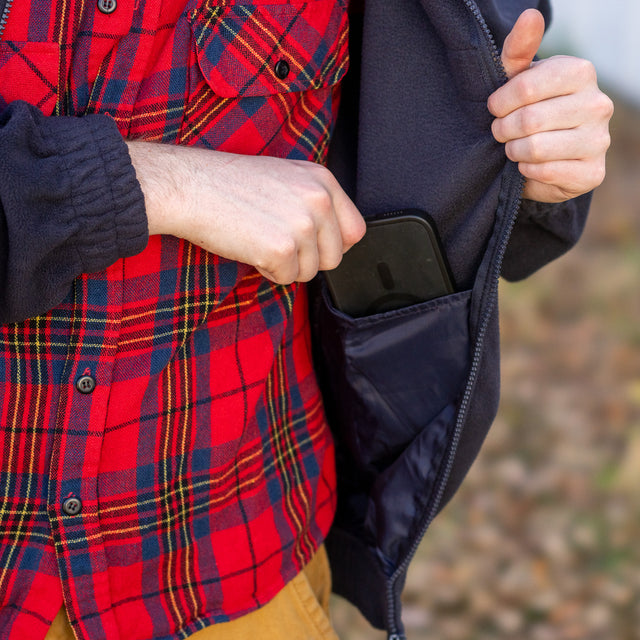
(287, 218)
(70, 204)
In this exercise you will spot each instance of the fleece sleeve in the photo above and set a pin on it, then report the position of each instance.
(70, 203)
(542, 233)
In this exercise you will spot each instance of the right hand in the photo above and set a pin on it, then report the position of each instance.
(287, 218)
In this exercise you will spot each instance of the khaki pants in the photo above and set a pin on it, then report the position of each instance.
(299, 612)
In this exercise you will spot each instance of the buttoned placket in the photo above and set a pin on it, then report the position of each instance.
(85, 390)
(75, 464)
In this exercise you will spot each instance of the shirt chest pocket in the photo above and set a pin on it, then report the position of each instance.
(29, 71)
(263, 65)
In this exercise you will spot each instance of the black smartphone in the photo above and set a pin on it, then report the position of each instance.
(399, 262)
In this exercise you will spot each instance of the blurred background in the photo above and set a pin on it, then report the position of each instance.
(543, 540)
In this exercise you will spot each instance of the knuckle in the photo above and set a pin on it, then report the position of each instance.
(585, 69)
(308, 268)
(610, 106)
(278, 272)
(604, 106)
(320, 174)
(491, 104)
(597, 175)
(319, 169)
(535, 149)
(354, 232)
(305, 225)
(529, 171)
(282, 278)
(530, 121)
(320, 200)
(283, 250)
(305, 276)
(525, 89)
(353, 236)
(599, 140)
(605, 141)
(330, 262)
(543, 173)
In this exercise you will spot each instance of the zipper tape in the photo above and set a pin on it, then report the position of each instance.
(489, 308)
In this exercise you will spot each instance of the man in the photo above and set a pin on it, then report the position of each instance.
(168, 469)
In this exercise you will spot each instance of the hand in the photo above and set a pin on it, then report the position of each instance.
(551, 115)
(287, 218)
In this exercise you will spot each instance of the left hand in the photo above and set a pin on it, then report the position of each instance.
(551, 115)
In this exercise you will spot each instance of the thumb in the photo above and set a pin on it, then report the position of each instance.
(523, 42)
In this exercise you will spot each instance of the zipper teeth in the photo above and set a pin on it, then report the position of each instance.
(5, 15)
(495, 54)
(475, 363)
(462, 413)
(490, 305)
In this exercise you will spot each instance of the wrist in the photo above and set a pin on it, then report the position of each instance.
(156, 168)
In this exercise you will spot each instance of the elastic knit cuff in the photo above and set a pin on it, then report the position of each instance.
(543, 232)
(106, 198)
(564, 219)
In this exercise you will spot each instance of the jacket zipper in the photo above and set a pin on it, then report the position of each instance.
(394, 633)
(4, 16)
(462, 415)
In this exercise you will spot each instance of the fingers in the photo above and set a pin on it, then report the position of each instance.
(546, 79)
(333, 226)
(576, 176)
(317, 234)
(554, 122)
(313, 227)
(565, 112)
(561, 180)
(559, 145)
(351, 224)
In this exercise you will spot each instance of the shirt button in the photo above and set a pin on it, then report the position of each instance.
(107, 6)
(85, 384)
(282, 69)
(72, 506)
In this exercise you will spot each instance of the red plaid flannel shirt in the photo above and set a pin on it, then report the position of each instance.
(197, 477)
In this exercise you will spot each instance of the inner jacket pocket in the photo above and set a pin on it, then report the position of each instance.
(387, 377)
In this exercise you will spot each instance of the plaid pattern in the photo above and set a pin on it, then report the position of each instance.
(202, 459)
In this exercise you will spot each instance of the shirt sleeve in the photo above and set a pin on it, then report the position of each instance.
(70, 203)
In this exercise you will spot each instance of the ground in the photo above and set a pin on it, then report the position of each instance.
(541, 541)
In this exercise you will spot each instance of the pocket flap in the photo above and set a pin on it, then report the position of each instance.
(249, 49)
